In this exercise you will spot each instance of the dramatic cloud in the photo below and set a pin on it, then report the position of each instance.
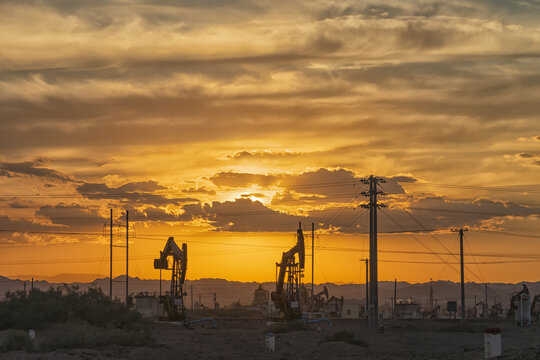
(73, 216)
(262, 154)
(22, 231)
(245, 215)
(137, 192)
(201, 190)
(185, 113)
(526, 159)
(258, 195)
(423, 215)
(17, 204)
(234, 179)
(240, 215)
(33, 168)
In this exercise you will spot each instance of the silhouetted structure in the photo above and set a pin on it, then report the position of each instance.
(260, 297)
(372, 205)
(288, 299)
(174, 301)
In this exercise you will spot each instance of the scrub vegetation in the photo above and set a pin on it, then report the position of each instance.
(66, 317)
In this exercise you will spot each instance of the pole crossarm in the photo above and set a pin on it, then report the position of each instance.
(376, 179)
(369, 206)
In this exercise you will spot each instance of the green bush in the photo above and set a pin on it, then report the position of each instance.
(67, 318)
(65, 303)
(346, 337)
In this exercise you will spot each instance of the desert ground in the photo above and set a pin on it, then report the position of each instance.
(246, 339)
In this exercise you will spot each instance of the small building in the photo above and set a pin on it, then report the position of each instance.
(260, 297)
(352, 309)
(407, 309)
(148, 304)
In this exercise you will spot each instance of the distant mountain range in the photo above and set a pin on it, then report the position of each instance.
(228, 292)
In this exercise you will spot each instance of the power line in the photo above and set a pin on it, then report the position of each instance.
(463, 211)
(472, 187)
(474, 259)
(152, 237)
(532, 258)
(160, 235)
(431, 235)
(427, 247)
(456, 263)
(113, 193)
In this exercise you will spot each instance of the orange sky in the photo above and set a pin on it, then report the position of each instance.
(226, 124)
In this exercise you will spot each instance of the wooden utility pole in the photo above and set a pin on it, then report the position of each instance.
(127, 255)
(110, 270)
(430, 294)
(312, 259)
(373, 181)
(460, 231)
(486, 307)
(395, 294)
(367, 286)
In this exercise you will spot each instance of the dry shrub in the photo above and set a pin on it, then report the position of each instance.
(346, 337)
(285, 327)
(66, 318)
(14, 340)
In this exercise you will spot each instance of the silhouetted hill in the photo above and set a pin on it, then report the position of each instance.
(63, 277)
(229, 291)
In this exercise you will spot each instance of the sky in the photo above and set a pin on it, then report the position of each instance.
(226, 123)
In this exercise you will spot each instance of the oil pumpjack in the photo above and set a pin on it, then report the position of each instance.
(173, 302)
(287, 297)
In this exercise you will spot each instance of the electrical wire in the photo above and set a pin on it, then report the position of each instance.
(470, 187)
(422, 243)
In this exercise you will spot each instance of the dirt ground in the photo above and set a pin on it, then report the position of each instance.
(245, 339)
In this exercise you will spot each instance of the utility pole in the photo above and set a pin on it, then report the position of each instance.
(312, 259)
(192, 297)
(127, 256)
(110, 270)
(486, 307)
(394, 302)
(373, 181)
(32, 288)
(460, 231)
(430, 294)
(367, 286)
(395, 293)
